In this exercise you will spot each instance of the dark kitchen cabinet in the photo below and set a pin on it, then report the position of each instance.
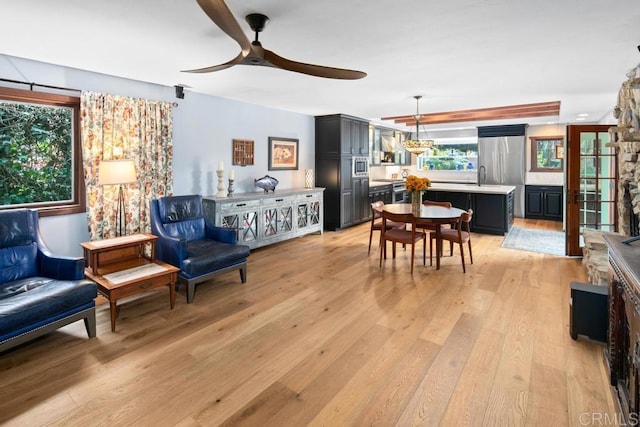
(383, 193)
(458, 200)
(492, 213)
(544, 202)
(338, 139)
(354, 136)
(361, 207)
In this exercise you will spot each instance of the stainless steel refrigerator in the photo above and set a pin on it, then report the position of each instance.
(501, 160)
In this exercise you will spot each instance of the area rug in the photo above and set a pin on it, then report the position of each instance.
(532, 240)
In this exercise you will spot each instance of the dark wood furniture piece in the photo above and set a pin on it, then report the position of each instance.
(338, 139)
(623, 349)
(120, 268)
(434, 214)
(543, 202)
(401, 235)
(460, 233)
(377, 222)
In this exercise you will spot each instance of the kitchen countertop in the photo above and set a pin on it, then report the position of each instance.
(473, 188)
(461, 187)
(244, 197)
(378, 183)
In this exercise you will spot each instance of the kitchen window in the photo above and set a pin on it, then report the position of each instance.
(450, 156)
(547, 153)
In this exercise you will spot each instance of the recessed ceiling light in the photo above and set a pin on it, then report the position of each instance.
(583, 114)
(580, 119)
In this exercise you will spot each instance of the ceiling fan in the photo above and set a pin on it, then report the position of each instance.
(252, 53)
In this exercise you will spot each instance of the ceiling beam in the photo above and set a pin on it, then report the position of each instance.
(493, 113)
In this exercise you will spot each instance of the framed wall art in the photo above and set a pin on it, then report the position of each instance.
(283, 153)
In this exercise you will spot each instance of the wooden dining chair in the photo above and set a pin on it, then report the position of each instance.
(376, 221)
(404, 236)
(429, 226)
(459, 234)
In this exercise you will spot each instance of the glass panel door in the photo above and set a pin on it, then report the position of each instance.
(591, 182)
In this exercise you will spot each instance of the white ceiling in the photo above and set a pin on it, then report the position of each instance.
(458, 54)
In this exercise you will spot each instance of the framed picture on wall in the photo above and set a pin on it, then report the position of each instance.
(283, 153)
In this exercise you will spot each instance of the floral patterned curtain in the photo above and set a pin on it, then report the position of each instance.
(119, 127)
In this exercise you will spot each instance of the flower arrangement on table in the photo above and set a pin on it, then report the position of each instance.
(415, 183)
(415, 186)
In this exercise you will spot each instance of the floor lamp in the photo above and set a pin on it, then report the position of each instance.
(118, 172)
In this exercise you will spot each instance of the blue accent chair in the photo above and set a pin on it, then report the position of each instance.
(186, 240)
(39, 292)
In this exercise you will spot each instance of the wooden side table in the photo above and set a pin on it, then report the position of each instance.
(120, 268)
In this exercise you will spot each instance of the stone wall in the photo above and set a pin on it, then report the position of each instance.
(627, 144)
(627, 135)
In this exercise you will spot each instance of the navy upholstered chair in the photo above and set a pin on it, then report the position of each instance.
(39, 291)
(187, 241)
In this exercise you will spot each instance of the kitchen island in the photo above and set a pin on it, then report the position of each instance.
(492, 204)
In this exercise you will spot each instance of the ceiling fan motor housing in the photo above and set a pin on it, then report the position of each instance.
(257, 22)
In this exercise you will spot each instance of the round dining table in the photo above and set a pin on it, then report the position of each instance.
(431, 214)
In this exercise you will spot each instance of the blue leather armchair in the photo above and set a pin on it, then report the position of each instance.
(187, 241)
(39, 292)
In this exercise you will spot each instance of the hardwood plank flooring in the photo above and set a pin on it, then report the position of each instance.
(321, 335)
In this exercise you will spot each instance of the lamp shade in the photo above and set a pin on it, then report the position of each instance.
(116, 172)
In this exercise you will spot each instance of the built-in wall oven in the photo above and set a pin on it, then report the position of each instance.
(399, 192)
(360, 167)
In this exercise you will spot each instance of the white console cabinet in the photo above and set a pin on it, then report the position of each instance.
(264, 218)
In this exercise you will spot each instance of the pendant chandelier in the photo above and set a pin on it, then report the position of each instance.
(417, 145)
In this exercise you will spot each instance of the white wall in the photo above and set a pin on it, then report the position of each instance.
(543, 178)
(203, 129)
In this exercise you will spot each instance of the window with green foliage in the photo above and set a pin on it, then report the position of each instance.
(40, 155)
(547, 154)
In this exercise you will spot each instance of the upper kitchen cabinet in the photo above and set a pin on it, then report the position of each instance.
(342, 135)
(374, 146)
(385, 147)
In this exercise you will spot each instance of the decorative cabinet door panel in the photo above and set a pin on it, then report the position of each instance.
(245, 224)
(277, 220)
(308, 214)
(277, 217)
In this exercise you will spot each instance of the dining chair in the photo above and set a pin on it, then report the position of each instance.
(399, 235)
(376, 221)
(429, 226)
(459, 234)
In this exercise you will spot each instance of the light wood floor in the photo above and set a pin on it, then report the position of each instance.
(320, 335)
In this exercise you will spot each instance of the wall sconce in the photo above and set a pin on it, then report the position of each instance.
(118, 172)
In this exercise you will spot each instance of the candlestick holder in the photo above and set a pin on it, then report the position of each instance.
(221, 192)
(230, 190)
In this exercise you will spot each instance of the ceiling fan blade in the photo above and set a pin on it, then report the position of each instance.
(235, 61)
(220, 14)
(311, 69)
